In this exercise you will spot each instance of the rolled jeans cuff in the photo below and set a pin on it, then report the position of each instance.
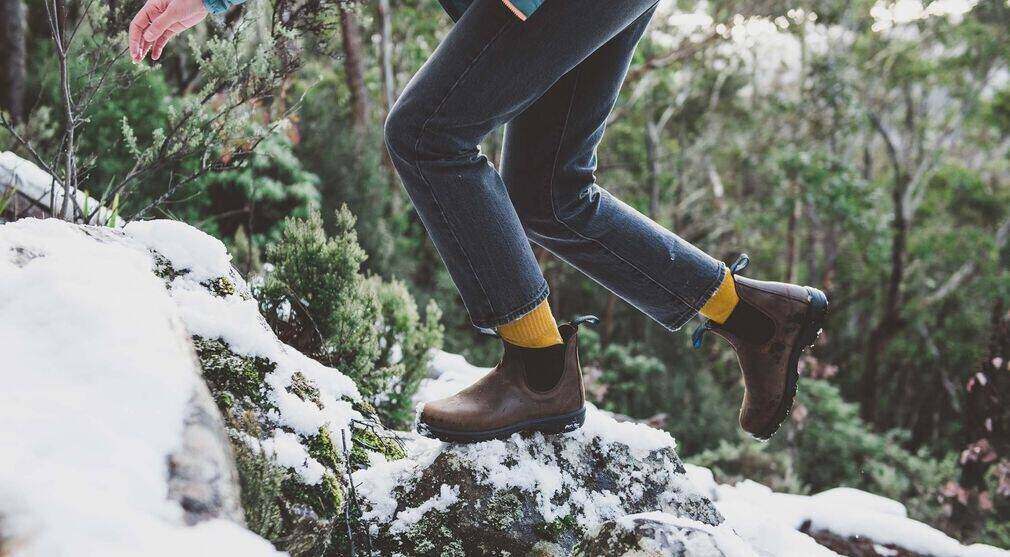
(489, 324)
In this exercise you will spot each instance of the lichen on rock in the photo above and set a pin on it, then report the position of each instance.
(526, 494)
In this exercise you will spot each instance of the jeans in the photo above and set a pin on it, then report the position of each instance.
(552, 80)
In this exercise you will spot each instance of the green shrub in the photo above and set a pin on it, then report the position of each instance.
(732, 463)
(626, 378)
(833, 446)
(317, 299)
(405, 343)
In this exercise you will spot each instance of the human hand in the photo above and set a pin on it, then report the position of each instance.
(160, 20)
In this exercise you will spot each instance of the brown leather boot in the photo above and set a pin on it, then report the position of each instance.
(772, 324)
(502, 402)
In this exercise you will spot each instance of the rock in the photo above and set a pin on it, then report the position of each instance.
(202, 475)
(527, 494)
(109, 421)
(298, 427)
(660, 535)
(854, 546)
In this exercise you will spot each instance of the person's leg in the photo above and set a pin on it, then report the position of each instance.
(489, 69)
(548, 165)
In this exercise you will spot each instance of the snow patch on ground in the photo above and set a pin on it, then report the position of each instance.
(96, 378)
(770, 521)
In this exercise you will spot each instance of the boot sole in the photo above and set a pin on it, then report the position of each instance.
(816, 314)
(563, 423)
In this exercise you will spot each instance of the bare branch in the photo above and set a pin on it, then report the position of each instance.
(966, 271)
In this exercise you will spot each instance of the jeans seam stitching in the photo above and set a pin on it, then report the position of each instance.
(554, 213)
(417, 163)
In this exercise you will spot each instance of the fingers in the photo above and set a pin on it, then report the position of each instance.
(158, 21)
(163, 22)
(160, 43)
(137, 26)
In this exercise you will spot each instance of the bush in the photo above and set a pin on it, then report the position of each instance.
(732, 463)
(405, 343)
(317, 299)
(833, 446)
(695, 407)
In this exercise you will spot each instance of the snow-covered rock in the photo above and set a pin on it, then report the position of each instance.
(111, 442)
(778, 524)
(137, 375)
(114, 420)
(661, 535)
(527, 493)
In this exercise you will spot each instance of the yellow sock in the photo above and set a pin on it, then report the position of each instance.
(536, 329)
(721, 304)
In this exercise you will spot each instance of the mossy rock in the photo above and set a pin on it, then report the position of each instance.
(508, 519)
(311, 517)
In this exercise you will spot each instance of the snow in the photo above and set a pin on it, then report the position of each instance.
(186, 247)
(236, 320)
(453, 374)
(769, 521)
(727, 542)
(97, 376)
(287, 450)
(409, 517)
(33, 182)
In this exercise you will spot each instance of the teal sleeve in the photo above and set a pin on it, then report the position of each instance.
(220, 6)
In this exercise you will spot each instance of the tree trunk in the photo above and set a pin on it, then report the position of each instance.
(891, 321)
(385, 13)
(12, 58)
(354, 68)
(652, 132)
(792, 230)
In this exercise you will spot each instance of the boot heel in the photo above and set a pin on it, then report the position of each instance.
(562, 424)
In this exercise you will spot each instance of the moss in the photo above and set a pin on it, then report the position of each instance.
(232, 377)
(304, 389)
(365, 439)
(261, 481)
(321, 448)
(552, 531)
(221, 286)
(430, 536)
(364, 407)
(503, 510)
(164, 270)
(325, 499)
(453, 549)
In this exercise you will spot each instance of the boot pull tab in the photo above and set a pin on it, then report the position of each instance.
(699, 333)
(587, 319)
(740, 264)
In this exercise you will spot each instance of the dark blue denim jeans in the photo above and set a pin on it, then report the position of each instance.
(553, 80)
